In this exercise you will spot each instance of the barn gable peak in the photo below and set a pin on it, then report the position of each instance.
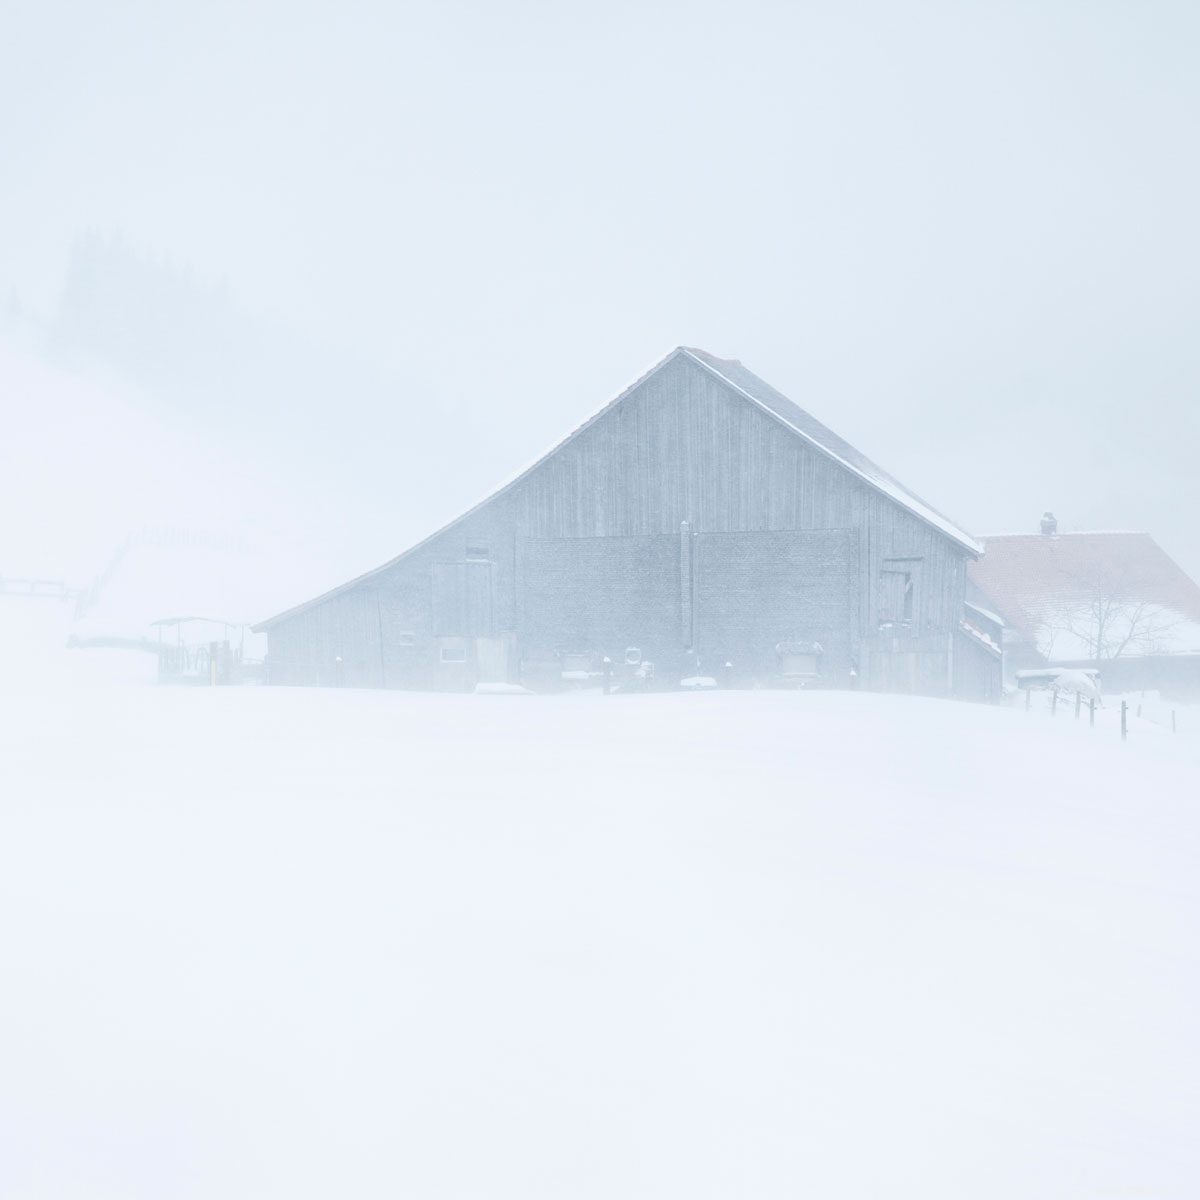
(760, 393)
(744, 383)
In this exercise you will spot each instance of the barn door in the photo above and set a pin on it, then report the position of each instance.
(600, 595)
(495, 659)
(754, 591)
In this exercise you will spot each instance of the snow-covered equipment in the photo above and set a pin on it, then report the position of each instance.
(1065, 678)
(1085, 683)
(581, 669)
(799, 662)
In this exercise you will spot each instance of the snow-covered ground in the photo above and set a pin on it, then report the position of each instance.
(292, 943)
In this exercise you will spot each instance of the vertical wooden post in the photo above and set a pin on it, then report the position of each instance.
(1054, 704)
(686, 628)
(1092, 713)
(1124, 720)
(1078, 704)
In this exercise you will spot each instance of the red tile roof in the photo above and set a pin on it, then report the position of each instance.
(1027, 576)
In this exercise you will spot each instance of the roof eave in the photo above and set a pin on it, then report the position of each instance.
(945, 527)
(516, 479)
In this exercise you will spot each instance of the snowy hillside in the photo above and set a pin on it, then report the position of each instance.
(319, 943)
(155, 513)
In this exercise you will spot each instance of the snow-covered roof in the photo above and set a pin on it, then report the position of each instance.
(986, 613)
(978, 635)
(759, 393)
(1031, 577)
(824, 439)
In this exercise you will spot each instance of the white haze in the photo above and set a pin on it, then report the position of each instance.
(284, 287)
(963, 236)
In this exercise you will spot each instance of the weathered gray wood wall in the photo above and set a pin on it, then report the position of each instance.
(600, 593)
(752, 590)
(978, 673)
(682, 446)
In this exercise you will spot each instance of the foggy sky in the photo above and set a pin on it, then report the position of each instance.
(965, 236)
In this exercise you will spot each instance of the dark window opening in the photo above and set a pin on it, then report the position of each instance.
(478, 554)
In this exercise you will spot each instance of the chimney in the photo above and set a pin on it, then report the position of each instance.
(1049, 523)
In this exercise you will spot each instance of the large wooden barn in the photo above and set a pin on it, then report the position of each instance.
(700, 521)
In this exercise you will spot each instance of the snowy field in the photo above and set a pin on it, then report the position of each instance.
(297, 943)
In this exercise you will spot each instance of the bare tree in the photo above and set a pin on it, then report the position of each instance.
(1105, 614)
(1047, 635)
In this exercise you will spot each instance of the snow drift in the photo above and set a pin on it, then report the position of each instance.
(311, 943)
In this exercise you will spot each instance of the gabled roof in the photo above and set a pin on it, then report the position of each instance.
(1032, 577)
(757, 392)
(825, 440)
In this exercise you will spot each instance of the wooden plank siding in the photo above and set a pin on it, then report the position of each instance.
(681, 446)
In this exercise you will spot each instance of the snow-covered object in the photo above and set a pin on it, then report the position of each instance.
(799, 647)
(1082, 682)
(974, 632)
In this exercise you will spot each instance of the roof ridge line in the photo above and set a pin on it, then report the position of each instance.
(918, 507)
(511, 482)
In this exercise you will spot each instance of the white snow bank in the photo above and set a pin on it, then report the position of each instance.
(333, 943)
(34, 653)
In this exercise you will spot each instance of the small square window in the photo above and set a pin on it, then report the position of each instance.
(407, 638)
(454, 654)
(478, 554)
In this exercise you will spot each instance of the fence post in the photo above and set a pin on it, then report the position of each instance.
(1054, 703)
(1124, 722)
(1092, 713)
(1078, 704)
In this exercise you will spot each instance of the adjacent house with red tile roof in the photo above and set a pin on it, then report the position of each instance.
(1111, 599)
